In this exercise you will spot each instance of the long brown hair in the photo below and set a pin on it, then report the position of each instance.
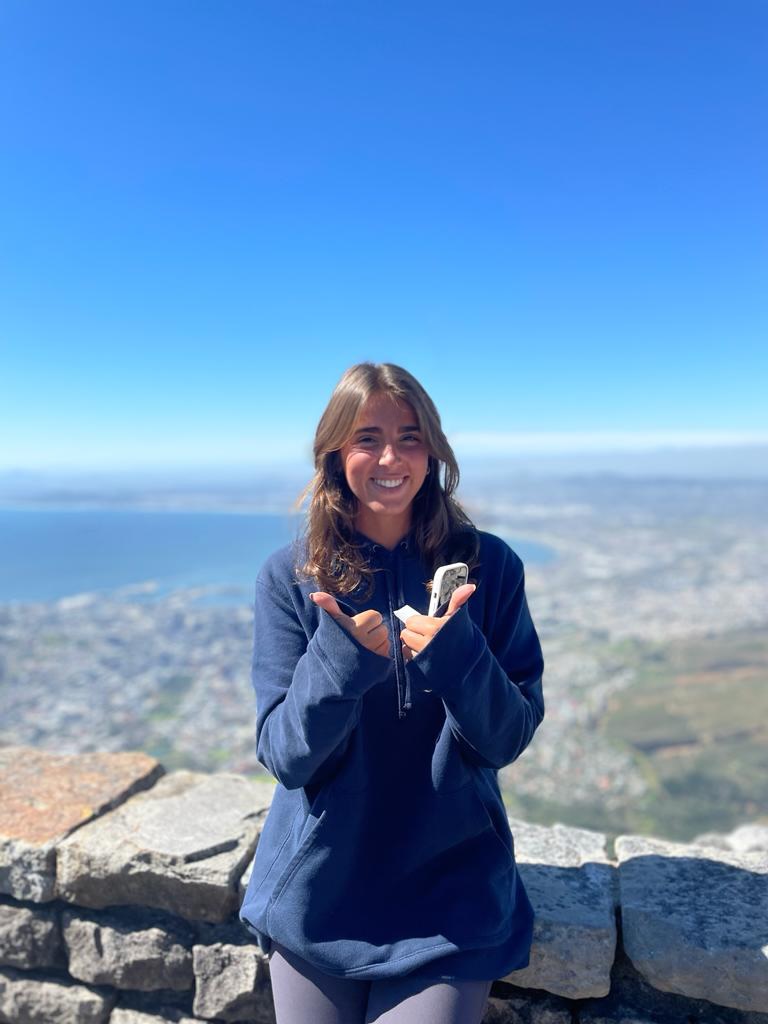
(442, 530)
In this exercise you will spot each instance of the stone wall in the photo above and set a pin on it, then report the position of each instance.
(121, 883)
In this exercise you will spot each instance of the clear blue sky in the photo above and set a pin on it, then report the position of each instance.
(554, 214)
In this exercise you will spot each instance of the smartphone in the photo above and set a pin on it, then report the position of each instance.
(447, 579)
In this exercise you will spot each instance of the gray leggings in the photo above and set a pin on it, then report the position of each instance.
(302, 993)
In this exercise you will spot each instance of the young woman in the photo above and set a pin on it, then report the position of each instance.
(384, 885)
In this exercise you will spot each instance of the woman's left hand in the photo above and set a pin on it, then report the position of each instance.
(419, 629)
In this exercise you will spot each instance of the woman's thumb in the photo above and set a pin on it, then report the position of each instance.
(459, 597)
(328, 602)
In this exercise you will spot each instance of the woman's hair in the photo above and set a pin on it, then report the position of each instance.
(442, 530)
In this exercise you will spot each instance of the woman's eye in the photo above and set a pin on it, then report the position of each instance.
(411, 438)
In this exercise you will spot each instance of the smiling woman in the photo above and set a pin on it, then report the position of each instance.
(385, 464)
(381, 432)
(384, 885)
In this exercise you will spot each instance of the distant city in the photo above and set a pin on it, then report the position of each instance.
(651, 610)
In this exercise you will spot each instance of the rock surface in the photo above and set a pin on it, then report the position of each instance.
(29, 937)
(232, 984)
(180, 846)
(123, 1015)
(46, 797)
(140, 950)
(695, 919)
(524, 1010)
(28, 999)
(571, 884)
(748, 838)
(632, 999)
(146, 930)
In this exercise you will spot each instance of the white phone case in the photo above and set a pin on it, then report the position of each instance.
(447, 579)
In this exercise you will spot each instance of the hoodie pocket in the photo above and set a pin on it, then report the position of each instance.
(289, 826)
(495, 814)
(450, 769)
(304, 833)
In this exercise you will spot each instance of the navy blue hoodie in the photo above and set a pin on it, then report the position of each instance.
(387, 849)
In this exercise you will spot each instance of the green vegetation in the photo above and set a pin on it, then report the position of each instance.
(695, 723)
(163, 750)
(216, 757)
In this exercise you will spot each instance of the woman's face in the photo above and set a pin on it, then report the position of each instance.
(385, 463)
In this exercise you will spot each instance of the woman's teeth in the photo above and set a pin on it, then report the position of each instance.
(389, 484)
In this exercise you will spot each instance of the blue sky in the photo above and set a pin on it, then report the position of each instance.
(554, 214)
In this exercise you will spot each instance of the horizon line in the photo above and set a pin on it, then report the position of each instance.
(468, 444)
(604, 442)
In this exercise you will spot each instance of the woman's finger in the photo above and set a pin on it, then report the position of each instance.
(368, 620)
(416, 641)
(383, 646)
(426, 625)
(373, 638)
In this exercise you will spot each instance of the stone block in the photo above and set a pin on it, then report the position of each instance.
(124, 1015)
(750, 837)
(232, 984)
(26, 998)
(142, 949)
(543, 1011)
(695, 919)
(633, 1000)
(504, 1011)
(572, 887)
(30, 936)
(47, 797)
(526, 1009)
(181, 846)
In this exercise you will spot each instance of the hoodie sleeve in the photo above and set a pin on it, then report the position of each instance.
(308, 693)
(491, 686)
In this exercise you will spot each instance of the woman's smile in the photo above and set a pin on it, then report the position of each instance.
(389, 484)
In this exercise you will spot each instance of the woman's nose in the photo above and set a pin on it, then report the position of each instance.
(389, 455)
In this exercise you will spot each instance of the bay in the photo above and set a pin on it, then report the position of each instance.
(48, 553)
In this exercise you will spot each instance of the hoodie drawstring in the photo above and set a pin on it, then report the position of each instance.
(391, 561)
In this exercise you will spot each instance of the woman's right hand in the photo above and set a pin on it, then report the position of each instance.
(366, 627)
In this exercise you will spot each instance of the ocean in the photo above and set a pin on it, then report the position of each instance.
(49, 553)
